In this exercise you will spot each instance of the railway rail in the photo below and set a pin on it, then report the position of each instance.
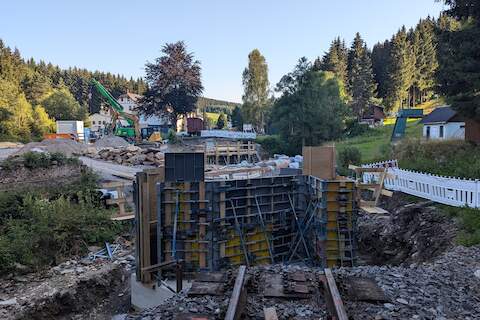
(269, 293)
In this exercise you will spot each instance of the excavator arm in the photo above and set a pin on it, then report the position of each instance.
(117, 109)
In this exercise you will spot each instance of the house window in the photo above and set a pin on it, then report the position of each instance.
(428, 132)
(440, 134)
(93, 122)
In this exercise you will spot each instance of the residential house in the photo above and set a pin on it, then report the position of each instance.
(443, 123)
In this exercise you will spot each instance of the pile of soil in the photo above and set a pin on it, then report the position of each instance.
(23, 177)
(412, 232)
(65, 146)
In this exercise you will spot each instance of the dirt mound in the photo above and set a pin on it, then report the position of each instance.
(111, 142)
(65, 146)
(411, 233)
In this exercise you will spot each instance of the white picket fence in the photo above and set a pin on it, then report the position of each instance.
(447, 190)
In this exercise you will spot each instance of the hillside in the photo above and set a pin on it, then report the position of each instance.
(374, 145)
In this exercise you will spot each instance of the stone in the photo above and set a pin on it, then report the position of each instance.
(67, 271)
(9, 302)
(389, 306)
(477, 273)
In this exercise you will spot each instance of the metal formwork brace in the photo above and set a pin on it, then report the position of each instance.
(302, 238)
(174, 237)
(306, 227)
(262, 223)
(240, 234)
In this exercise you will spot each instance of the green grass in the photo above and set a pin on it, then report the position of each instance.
(212, 116)
(468, 220)
(375, 144)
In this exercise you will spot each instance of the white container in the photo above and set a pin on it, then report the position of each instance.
(71, 127)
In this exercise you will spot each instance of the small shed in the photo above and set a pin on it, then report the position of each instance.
(373, 116)
(443, 123)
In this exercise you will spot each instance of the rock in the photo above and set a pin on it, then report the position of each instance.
(389, 306)
(21, 268)
(67, 271)
(477, 273)
(132, 148)
(9, 302)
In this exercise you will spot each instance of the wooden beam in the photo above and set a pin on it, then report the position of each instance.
(238, 298)
(340, 313)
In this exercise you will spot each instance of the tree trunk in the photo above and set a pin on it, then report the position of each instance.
(414, 98)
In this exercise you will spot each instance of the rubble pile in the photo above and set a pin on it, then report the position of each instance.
(77, 287)
(447, 288)
(128, 155)
(414, 232)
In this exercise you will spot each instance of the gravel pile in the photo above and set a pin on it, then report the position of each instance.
(415, 232)
(448, 288)
(111, 142)
(66, 146)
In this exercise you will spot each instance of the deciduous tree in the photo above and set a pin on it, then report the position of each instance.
(174, 83)
(255, 97)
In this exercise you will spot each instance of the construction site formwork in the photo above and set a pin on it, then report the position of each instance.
(217, 224)
(229, 152)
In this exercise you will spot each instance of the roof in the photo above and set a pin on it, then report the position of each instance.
(440, 114)
(132, 96)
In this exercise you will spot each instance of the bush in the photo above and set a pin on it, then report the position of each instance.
(469, 223)
(353, 128)
(50, 231)
(347, 156)
(448, 158)
(43, 226)
(35, 160)
(172, 136)
(272, 144)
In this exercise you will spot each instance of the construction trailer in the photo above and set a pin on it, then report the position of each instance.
(212, 225)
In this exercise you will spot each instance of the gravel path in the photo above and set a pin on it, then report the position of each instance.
(110, 170)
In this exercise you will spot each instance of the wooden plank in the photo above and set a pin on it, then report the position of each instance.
(384, 192)
(237, 300)
(115, 184)
(375, 210)
(127, 216)
(270, 313)
(341, 314)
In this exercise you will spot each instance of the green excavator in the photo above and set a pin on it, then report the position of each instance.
(130, 132)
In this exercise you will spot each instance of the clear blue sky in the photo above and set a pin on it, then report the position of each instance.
(120, 36)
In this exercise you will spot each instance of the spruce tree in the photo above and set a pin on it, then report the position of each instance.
(380, 66)
(459, 70)
(361, 82)
(335, 60)
(401, 71)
